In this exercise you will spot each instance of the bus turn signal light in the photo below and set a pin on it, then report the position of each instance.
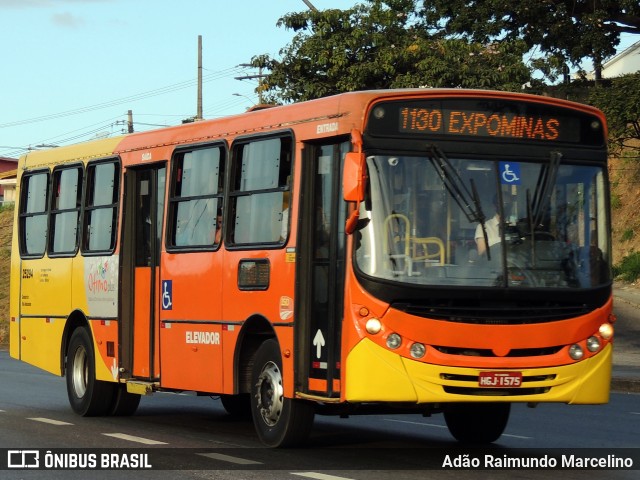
(606, 331)
(373, 326)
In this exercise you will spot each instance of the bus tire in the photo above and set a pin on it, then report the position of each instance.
(88, 397)
(124, 403)
(279, 421)
(477, 423)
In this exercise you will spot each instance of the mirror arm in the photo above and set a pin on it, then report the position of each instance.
(356, 140)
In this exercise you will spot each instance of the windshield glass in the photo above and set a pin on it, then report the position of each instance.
(433, 220)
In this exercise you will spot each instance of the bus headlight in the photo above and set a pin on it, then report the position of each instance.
(576, 352)
(373, 326)
(593, 344)
(394, 341)
(606, 331)
(417, 350)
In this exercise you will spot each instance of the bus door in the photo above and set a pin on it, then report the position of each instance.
(140, 262)
(320, 271)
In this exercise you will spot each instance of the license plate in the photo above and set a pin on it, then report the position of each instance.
(500, 379)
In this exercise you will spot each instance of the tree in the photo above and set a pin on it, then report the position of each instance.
(382, 44)
(565, 31)
(620, 102)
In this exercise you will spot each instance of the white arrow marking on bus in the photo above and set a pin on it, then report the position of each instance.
(318, 342)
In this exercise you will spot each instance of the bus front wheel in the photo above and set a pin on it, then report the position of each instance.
(88, 397)
(279, 421)
(477, 423)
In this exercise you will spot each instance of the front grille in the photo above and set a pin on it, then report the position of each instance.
(516, 352)
(496, 392)
(493, 313)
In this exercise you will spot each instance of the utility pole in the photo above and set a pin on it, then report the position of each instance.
(259, 77)
(130, 121)
(310, 5)
(199, 106)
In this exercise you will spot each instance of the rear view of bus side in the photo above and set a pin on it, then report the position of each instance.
(438, 251)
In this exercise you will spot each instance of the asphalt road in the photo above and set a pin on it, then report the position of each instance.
(626, 352)
(192, 437)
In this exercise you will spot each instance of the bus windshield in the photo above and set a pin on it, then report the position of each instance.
(432, 220)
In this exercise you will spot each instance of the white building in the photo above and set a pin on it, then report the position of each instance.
(627, 61)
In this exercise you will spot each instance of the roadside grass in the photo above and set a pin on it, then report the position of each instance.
(6, 223)
(628, 269)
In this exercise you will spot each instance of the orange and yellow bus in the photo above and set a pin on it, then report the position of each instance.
(439, 251)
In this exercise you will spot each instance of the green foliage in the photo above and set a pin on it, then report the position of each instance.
(629, 268)
(616, 203)
(382, 44)
(562, 31)
(619, 99)
(627, 235)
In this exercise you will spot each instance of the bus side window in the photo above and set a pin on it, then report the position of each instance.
(65, 210)
(101, 207)
(195, 203)
(33, 214)
(260, 191)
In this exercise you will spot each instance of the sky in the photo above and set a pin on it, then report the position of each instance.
(71, 69)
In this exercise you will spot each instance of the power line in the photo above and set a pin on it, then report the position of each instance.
(17, 151)
(132, 98)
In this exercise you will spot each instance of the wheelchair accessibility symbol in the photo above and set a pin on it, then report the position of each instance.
(167, 294)
(509, 173)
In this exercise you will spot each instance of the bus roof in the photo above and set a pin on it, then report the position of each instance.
(80, 152)
(328, 116)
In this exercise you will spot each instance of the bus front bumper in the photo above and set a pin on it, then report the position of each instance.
(374, 374)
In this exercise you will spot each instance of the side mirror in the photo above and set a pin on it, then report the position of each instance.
(353, 182)
(353, 186)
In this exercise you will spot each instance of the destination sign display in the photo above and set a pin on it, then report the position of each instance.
(480, 118)
(461, 122)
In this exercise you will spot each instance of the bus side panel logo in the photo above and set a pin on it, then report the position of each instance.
(286, 308)
(167, 294)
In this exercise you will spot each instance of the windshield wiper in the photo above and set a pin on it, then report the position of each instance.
(544, 187)
(541, 197)
(467, 199)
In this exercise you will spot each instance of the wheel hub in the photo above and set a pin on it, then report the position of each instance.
(269, 394)
(79, 372)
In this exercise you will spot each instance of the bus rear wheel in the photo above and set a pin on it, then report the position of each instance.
(477, 423)
(279, 421)
(124, 403)
(88, 397)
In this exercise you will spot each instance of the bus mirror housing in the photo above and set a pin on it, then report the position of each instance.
(354, 180)
(353, 185)
(353, 177)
